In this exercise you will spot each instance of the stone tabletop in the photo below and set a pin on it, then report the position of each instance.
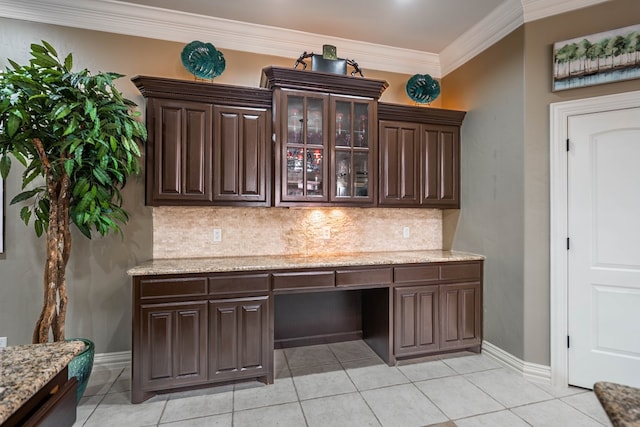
(282, 262)
(620, 402)
(25, 369)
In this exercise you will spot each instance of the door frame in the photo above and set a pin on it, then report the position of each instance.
(558, 261)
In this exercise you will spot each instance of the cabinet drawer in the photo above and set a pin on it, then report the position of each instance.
(369, 276)
(421, 273)
(467, 271)
(175, 287)
(303, 280)
(235, 284)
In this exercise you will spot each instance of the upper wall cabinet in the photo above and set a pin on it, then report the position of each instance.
(325, 137)
(419, 156)
(208, 143)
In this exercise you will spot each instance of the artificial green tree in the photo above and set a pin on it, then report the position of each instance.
(78, 140)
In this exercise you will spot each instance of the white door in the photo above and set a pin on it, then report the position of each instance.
(603, 205)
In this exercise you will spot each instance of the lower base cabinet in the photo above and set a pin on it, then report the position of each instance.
(191, 330)
(461, 315)
(174, 337)
(416, 320)
(239, 343)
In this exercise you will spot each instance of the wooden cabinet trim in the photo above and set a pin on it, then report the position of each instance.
(239, 284)
(304, 280)
(364, 277)
(151, 288)
(420, 273)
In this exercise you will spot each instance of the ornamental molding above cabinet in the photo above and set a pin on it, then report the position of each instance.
(214, 144)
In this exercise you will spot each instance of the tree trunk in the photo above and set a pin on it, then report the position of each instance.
(58, 248)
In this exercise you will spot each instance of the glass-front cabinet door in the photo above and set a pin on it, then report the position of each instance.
(305, 147)
(352, 141)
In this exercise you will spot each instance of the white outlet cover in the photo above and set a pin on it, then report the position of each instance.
(326, 233)
(3, 342)
(406, 233)
(217, 235)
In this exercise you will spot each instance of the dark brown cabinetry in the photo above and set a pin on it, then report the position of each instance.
(440, 311)
(175, 334)
(190, 330)
(208, 143)
(205, 328)
(326, 137)
(419, 156)
(416, 320)
(240, 155)
(239, 342)
(181, 158)
(461, 315)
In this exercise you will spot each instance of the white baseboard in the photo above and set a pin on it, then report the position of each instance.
(531, 371)
(116, 360)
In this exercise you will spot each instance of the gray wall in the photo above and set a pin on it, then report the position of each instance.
(518, 267)
(99, 288)
(491, 89)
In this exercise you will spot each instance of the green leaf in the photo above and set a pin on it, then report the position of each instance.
(25, 214)
(39, 227)
(13, 124)
(24, 196)
(68, 166)
(49, 48)
(5, 166)
(68, 62)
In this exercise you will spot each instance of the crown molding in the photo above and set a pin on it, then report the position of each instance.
(151, 22)
(498, 24)
(144, 21)
(538, 9)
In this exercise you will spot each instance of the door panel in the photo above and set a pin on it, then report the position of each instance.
(603, 260)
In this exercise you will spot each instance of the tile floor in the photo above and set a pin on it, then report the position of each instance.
(346, 384)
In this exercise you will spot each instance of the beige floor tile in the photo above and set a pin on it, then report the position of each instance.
(339, 411)
(507, 387)
(287, 415)
(198, 403)
(402, 406)
(554, 413)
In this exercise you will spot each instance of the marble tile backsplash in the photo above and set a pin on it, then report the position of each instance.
(187, 232)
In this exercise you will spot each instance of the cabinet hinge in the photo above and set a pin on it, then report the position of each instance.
(568, 346)
(568, 245)
(567, 144)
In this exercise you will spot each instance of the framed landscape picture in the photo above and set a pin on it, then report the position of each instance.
(598, 58)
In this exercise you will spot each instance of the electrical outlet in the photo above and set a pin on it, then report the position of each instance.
(3, 342)
(326, 233)
(217, 235)
(405, 232)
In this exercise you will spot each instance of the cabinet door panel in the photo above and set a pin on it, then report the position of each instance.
(399, 163)
(461, 315)
(440, 166)
(188, 343)
(416, 320)
(225, 327)
(159, 339)
(239, 343)
(175, 339)
(240, 145)
(181, 151)
(252, 320)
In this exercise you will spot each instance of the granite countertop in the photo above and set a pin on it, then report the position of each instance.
(283, 262)
(25, 369)
(620, 402)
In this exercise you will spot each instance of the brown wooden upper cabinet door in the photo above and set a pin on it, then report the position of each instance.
(241, 161)
(302, 158)
(352, 133)
(399, 163)
(181, 152)
(441, 166)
